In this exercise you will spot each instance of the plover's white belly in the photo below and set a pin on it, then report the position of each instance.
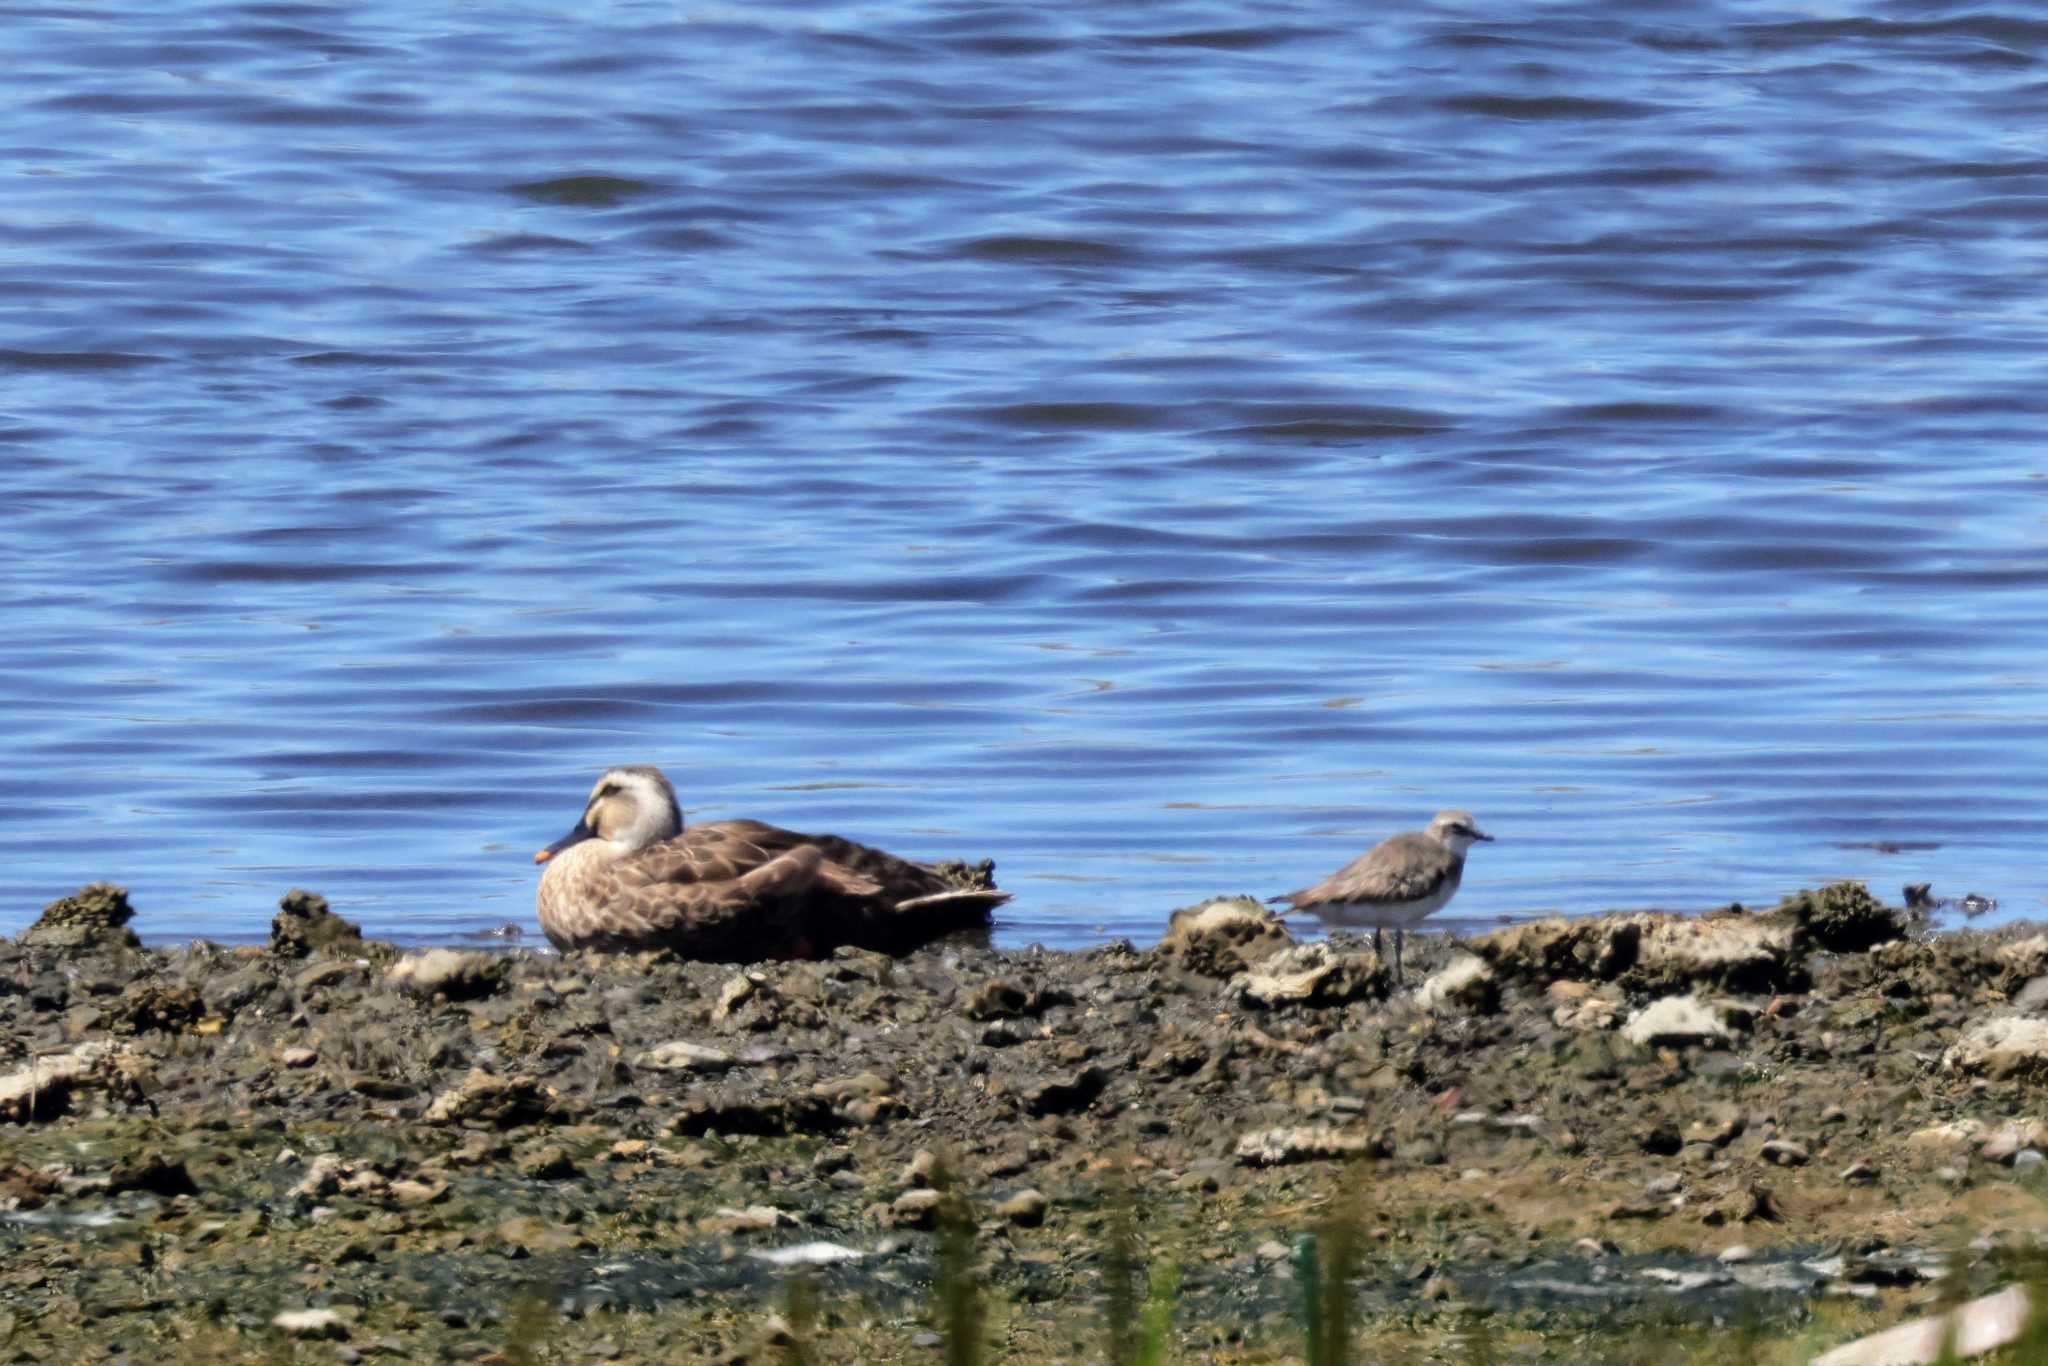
(1384, 915)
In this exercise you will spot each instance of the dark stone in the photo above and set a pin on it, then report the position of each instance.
(149, 1170)
(1065, 1095)
(155, 1004)
(1662, 1141)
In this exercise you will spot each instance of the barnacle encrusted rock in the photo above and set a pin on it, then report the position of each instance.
(1313, 975)
(1223, 937)
(95, 916)
(305, 925)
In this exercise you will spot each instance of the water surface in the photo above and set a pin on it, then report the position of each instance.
(1165, 447)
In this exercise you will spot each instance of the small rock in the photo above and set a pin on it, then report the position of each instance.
(680, 1055)
(1587, 1009)
(150, 1170)
(1783, 1152)
(1675, 1021)
(809, 1254)
(1844, 917)
(2009, 1139)
(1467, 983)
(503, 1101)
(996, 999)
(1660, 1140)
(1954, 1133)
(311, 1324)
(752, 1219)
(922, 1169)
(551, 1163)
(1859, 1173)
(1065, 1095)
(416, 1193)
(525, 1235)
(916, 1209)
(452, 973)
(1026, 1208)
(1311, 1143)
(93, 916)
(2032, 994)
(2024, 959)
(1312, 975)
(298, 1056)
(732, 996)
(2006, 1046)
(1223, 937)
(1736, 1255)
(43, 1088)
(304, 924)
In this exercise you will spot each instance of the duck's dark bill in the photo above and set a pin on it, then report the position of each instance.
(581, 833)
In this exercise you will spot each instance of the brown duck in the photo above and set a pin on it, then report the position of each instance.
(630, 877)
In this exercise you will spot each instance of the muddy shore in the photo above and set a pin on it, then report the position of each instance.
(1748, 1136)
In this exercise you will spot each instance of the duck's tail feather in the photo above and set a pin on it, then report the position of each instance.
(963, 902)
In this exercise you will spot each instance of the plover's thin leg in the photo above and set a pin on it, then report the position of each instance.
(1398, 932)
(1376, 940)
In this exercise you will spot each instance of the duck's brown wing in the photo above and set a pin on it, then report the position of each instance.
(864, 896)
(728, 914)
(721, 851)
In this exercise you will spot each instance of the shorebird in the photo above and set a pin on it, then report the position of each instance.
(628, 876)
(1397, 883)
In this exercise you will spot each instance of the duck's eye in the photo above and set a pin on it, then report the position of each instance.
(608, 790)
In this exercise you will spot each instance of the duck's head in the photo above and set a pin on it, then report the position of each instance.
(1456, 831)
(629, 808)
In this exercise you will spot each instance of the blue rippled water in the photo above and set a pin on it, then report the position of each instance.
(1163, 446)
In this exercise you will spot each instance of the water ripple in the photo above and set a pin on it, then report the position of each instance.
(1162, 450)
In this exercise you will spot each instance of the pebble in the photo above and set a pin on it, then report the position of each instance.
(1675, 1021)
(922, 1170)
(680, 1055)
(1782, 1152)
(1026, 1208)
(916, 1209)
(310, 1323)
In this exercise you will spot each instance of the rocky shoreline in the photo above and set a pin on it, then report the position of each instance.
(1761, 1133)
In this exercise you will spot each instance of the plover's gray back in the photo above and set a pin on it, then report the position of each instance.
(1397, 883)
